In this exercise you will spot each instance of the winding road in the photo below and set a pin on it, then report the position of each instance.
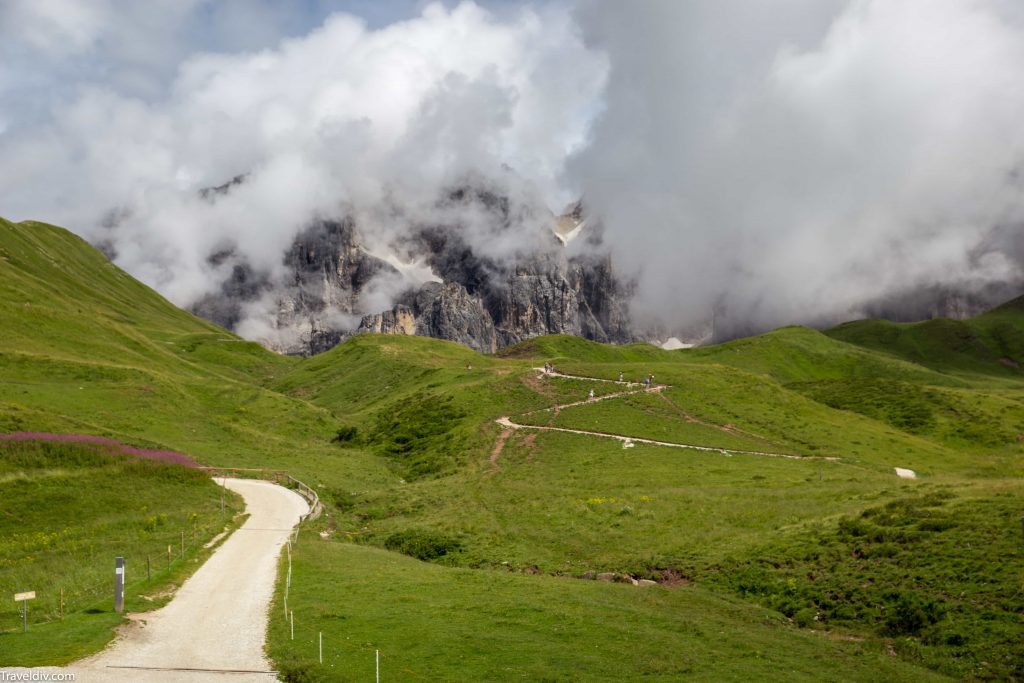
(215, 627)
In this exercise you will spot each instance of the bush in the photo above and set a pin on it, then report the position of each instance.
(422, 544)
(420, 436)
(907, 614)
(345, 434)
(804, 618)
(293, 671)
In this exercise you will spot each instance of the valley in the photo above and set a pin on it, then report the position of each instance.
(462, 548)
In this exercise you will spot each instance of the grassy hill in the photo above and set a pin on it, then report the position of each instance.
(991, 344)
(66, 511)
(754, 557)
(87, 349)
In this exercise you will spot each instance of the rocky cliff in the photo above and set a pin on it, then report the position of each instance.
(330, 286)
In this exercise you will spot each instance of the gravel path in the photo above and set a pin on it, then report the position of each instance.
(215, 627)
(628, 441)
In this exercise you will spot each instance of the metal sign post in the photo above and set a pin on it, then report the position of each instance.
(119, 584)
(23, 598)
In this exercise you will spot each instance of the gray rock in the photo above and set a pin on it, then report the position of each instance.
(607, 576)
(483, 302)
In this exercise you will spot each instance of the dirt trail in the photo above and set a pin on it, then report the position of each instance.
(628, 441)
(502, 438)
(215, 627)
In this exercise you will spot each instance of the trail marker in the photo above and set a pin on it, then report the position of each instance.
(23, 598)
(119, 584)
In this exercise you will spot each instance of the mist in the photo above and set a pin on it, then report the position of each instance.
(762, 163)
(792, 162)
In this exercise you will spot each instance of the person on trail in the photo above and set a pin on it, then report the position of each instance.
(646, 382)
(620, 376)
(590, 396)
(650, 380)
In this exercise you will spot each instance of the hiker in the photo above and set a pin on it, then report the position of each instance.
(590, 396)
(468, 367)
(650, 380)
(646, 382)
(620, 376)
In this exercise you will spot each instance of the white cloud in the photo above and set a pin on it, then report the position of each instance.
(785, 159)
(332, 122)
(789, 162)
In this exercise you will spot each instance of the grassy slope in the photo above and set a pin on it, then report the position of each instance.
(432, 623)
(990, 345)
(418, 468)
(85, 348)
(62, 524)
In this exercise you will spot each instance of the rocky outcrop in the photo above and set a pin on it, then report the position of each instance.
(440, 310)
(328, 281)
(399, 320)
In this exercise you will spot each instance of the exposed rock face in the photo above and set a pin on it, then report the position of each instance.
(400, 320)
(482, 301)
(327, 271)
(444, 311)
(543, 294)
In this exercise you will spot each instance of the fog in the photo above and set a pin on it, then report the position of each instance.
(791, 161)
(765, 162)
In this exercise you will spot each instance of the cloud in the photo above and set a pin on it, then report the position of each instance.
(783, 161)
(791, 161)
(340, 121)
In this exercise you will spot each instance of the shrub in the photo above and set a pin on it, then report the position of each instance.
(293, 671)
(345, 434)
(907, 614)
(421, 544)
(804, 618)
(421, 436)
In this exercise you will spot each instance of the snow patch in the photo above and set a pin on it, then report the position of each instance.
(416, 272)
(673, 343)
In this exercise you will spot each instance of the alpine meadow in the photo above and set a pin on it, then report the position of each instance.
(769, 536)
(556, 341)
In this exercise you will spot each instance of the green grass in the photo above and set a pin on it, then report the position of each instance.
(66, 512)
(87, 349)
(937, 572)
(652, 416)
(433, 623)
(570, 503)
(508, 531)
(987, 346)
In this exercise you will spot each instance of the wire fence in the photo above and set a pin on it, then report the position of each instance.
(280, 477)
(71, 582)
